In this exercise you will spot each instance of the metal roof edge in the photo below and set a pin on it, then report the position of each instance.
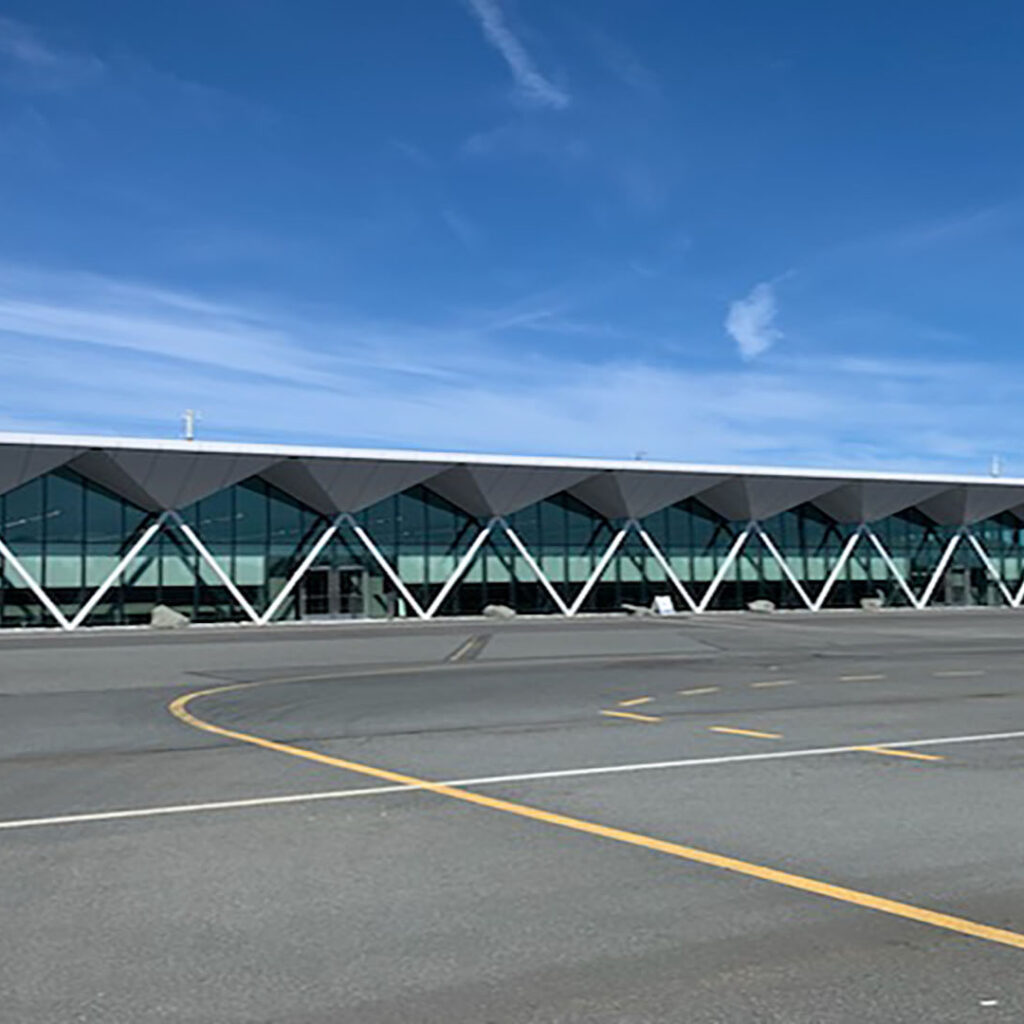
(467, 458)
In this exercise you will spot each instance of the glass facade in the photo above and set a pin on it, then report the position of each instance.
(69, 534)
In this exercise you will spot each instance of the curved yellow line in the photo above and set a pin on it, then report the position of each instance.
(179, 708)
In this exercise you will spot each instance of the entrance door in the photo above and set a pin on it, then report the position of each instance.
(351, 592)
(958, 586)
(331, 592)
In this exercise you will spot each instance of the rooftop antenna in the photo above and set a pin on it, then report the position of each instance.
(189, 419)
(996, 469)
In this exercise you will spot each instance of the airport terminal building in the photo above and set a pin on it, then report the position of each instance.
(99, 531)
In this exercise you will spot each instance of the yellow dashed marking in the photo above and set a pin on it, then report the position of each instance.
(892, 752)
(460, 652)
(633, 715)
(746, 732)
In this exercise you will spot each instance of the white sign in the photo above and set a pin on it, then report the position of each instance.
(663, 605)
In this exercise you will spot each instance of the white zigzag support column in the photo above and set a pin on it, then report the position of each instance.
(367, 541)
(463, 565)
(40, 595)
(599, 569)
(891, 566)
(293, 580)
(852, 541)
(724, 568)
(193, 538)
(534, 567)
(947, 554)
(990, 567)
(784, 566)
(322, 541)
(666, 566)
(133, 552)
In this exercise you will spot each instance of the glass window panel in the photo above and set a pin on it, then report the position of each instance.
(24, 518)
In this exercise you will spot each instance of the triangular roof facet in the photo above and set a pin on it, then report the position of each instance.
(618, 494)
(354, 484)
(745, 498)
(959, 506)
(867, 501)
(22, 463)
(175, 480)
(485, 491)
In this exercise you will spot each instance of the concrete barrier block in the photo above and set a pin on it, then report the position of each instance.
(499, 611)
(162, 617)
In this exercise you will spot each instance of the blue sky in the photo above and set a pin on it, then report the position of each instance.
(715, 231)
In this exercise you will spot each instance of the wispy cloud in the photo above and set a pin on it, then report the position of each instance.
(414, 154)
(616, 57)
(531, 84)
(28, 63)
(461, 227)
(645, 186)
(963, 227)
(525, 137)
(751, 321)
(33, 68)
(96, 354)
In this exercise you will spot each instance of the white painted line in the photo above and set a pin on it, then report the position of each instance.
(773, 682)
(698, 690)
(218, 805)
(492, 780)
(696, 762)
(860, 679)
(954, 673)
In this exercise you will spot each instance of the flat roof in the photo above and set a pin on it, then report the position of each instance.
(145, 444)
(169, 475)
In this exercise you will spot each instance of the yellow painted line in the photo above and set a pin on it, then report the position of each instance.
(746, 732)
(179, 708)
(901, 753)
(860, 679)
(462, 651)
(953, 673)
(633, 703)
(633, 715)
(698, 690)
(773, 682)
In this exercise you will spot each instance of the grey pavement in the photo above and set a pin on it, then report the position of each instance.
(413, 906)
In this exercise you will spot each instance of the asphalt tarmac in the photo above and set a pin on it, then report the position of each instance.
(788, 818)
